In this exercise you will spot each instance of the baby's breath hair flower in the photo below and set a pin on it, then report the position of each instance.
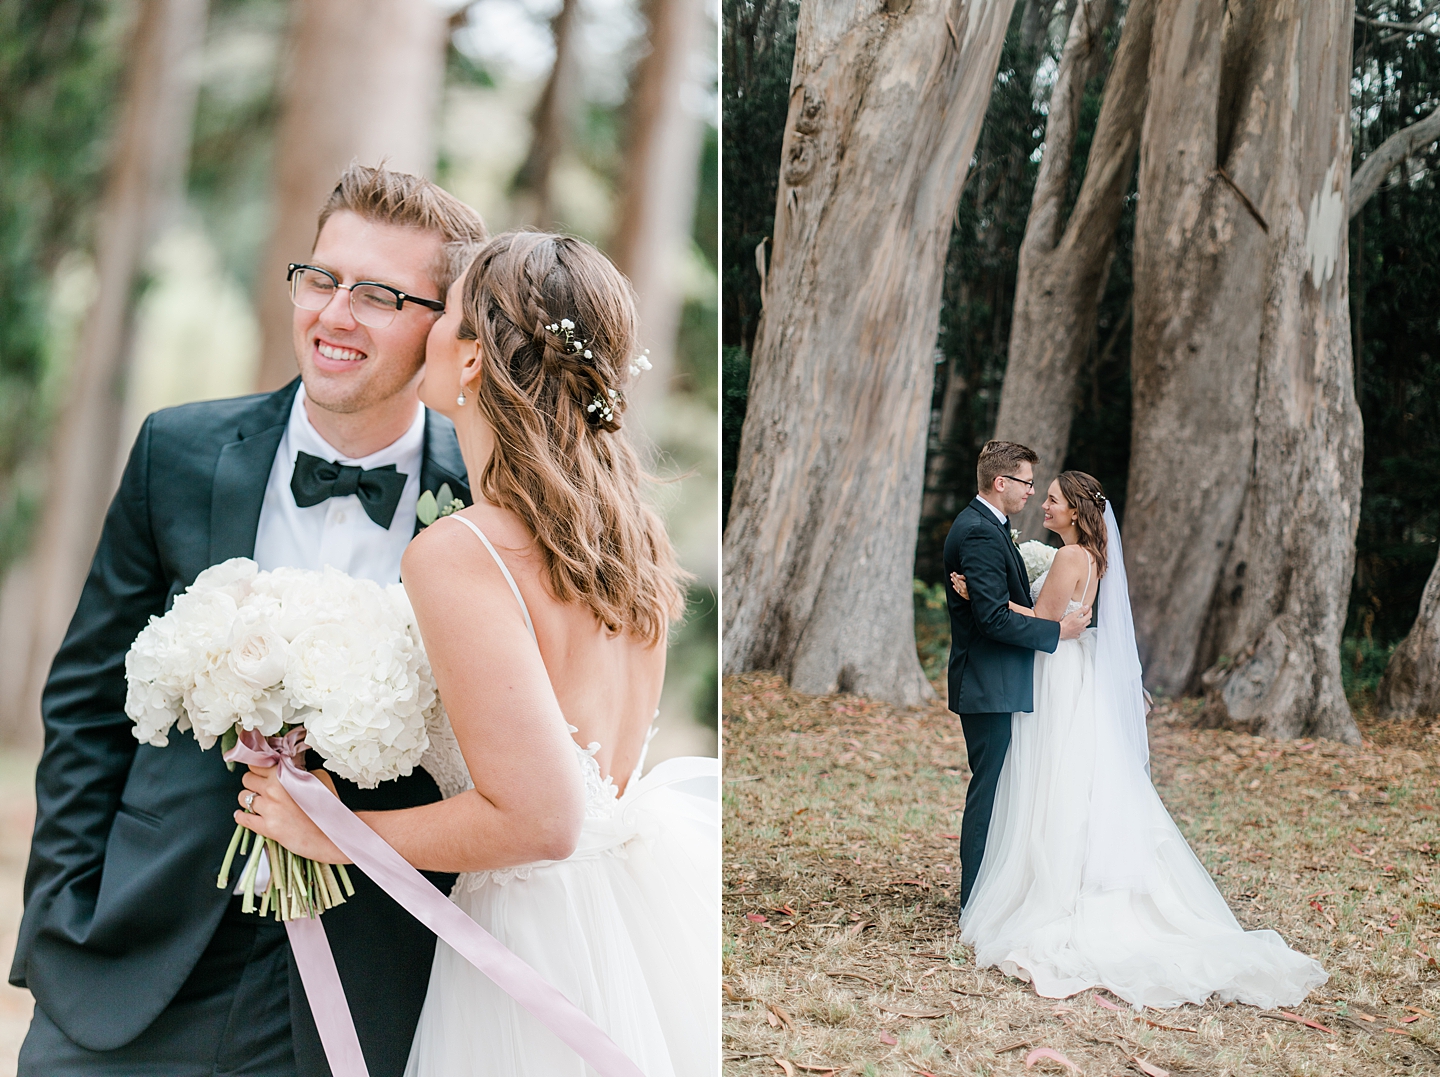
(640, 364)
(603, 407)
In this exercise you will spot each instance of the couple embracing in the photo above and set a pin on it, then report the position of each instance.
(430, 357)
(1073, 875)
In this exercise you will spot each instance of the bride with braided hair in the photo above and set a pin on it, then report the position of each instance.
(1085, 880)
(545, 609)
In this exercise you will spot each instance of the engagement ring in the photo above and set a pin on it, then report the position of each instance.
(249, 800)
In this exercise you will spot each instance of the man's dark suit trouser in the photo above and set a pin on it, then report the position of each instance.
(987, 739)
(230, 1018)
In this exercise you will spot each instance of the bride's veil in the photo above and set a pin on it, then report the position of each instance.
(1117, 857)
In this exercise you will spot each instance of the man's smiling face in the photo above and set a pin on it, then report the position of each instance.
(348, 367)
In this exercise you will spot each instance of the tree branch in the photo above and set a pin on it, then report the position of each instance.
(1405, 27)
(1387, 157)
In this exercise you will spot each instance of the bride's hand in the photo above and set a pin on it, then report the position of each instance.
(957, 581)
(273, 814)
(1015, 607)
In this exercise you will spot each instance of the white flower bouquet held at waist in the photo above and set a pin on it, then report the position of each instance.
(242, 649)
(1037, 556)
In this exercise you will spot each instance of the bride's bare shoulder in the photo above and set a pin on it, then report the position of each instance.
(1069, 559)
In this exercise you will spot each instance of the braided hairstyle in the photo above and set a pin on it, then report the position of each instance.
(561, 461)
(1083, 493)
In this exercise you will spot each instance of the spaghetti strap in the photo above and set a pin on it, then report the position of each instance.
(508, 578)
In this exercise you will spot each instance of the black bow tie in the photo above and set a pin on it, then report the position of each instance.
(379, 488)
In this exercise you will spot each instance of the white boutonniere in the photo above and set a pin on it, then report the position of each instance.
(432, 506)
(1015, 537)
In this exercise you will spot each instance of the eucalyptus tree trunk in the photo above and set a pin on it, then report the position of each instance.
(363, 83)
(145, 181)
(1064, 264)
(657, 201)
(1244, 488)
(1411, 684)
(886, 103)
(550, 125)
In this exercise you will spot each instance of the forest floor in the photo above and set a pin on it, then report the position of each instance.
(841, 948)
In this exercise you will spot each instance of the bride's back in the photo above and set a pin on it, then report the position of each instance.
(607, 684)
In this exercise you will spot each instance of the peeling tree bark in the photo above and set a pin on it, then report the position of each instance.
(1244, 489)
(363, 84)
(1064, 264)
(887, 99)
(1411, 684)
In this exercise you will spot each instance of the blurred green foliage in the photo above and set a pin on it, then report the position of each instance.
(59, 75)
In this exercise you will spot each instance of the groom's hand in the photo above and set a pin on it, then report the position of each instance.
(1072, 624)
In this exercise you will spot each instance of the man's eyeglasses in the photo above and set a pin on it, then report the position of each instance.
(372, 304)
(1012, 478)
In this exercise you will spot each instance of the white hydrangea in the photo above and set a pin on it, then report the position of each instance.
(262, 650)
(1037, 556)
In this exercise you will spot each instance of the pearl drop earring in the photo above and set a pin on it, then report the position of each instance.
(461, 398)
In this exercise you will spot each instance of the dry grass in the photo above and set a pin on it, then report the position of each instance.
(841, 883)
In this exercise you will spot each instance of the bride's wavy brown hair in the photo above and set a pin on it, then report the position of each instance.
(567, 469)
(1084, 494)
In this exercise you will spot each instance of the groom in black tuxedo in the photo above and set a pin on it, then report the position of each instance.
(992, 648)
(138, 963)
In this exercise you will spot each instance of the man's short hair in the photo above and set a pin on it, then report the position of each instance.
(1001, 458)
(386, 197)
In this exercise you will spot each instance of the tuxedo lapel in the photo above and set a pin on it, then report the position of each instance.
(242, 473)
(443, 464)
(1019, 562)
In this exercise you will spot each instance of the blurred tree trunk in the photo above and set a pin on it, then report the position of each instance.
(1411, 684)
(151, 147)
(550, 125)
(363, 83)
(886, 104)
(657, 194)
(1244, 487)
(1064, 264)
(1390, 155)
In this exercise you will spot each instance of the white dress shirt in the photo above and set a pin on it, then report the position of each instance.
(337, 532)
(998, 514)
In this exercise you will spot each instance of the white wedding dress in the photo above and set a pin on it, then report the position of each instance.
(1086, 881)
(627, 927)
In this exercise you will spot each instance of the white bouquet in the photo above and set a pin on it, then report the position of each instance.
(1037, 556)
(243, 649)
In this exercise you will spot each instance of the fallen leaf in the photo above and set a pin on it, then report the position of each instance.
(1100, 1000)
(1172, 1028)
(888, 1039)
(770, 1016)
(1147, 1069)
(1407, 1020)
(784, 1017)
(855, 929)
(918, 1014)
(1284, 1015)
(786, 1065)
(1050, 1053)
(755, 917)
(952, 837)
(1420, 1010)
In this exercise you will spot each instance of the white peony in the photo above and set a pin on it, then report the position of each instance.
(244, 649)
(1037, 556)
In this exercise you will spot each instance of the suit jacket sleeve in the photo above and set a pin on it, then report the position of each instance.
(984, 565)
(89, 746)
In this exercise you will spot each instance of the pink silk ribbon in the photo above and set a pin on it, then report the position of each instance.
(393, 874)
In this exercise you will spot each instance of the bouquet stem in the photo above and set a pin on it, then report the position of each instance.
(298, 886)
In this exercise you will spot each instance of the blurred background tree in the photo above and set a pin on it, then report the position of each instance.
(288, 92)
(1394, 245)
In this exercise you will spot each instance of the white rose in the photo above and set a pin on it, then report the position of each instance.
(233, 577)
(257, 652)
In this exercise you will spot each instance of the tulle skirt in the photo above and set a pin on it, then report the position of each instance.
(628, 928)
(1163, 940)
